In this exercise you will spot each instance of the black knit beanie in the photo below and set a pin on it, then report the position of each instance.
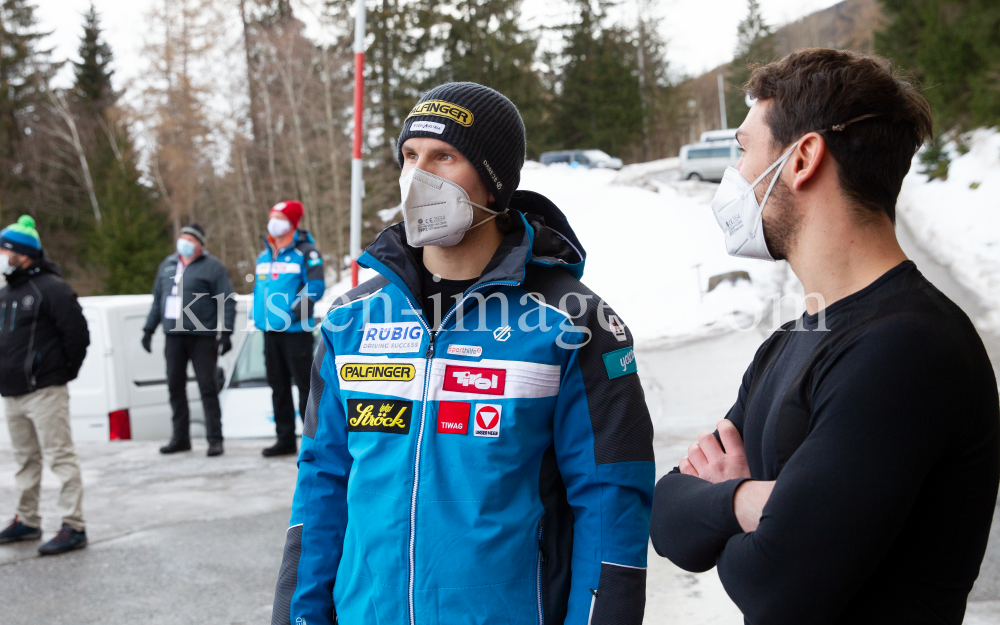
(479, 122)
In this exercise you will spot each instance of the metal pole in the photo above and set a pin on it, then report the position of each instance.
(357, 182)
(722, 103)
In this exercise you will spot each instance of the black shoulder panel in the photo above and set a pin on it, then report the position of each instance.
(621, 597)
(365, 288)
(310, 423)
(281, 613)
(623, 431)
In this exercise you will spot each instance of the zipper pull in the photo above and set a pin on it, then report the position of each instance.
(430, 346)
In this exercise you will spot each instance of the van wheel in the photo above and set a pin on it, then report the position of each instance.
(694, 176)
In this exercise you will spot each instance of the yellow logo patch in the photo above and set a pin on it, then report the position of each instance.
(389, 417)
(377, 373)
(441, 108)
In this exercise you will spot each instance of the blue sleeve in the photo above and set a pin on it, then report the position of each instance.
(603, 443)
(315, 540)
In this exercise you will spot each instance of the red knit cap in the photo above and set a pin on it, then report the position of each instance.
(292, 210)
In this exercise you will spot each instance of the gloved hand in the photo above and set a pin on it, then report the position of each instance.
(225, 343)
(147, 342)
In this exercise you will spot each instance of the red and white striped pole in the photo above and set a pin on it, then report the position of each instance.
(357, 181)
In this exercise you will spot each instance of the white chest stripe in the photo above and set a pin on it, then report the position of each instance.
(524, 380)
(280, 267)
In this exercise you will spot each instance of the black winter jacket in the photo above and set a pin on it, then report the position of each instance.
(43, 334)
(205, 276)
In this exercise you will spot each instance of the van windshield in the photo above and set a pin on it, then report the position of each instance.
(596, 156)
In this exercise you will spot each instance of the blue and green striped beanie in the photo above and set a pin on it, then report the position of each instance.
(22, 238)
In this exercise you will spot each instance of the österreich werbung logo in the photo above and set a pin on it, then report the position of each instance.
(441, 108)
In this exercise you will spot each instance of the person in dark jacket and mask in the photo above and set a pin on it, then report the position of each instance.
(43, 341)
(193, 298)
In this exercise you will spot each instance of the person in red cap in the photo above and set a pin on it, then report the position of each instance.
(289, 281)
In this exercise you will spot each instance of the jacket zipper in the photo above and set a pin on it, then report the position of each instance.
(3, 315)
(13, 316)
(428, 359)
(32, 381)
(538, 574)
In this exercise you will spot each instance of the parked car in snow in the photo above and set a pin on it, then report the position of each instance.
(708, 160)
(595, 159)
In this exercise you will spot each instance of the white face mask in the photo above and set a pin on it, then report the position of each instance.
(278, 227)
(740, 217)
(436, 211)
(5, 267)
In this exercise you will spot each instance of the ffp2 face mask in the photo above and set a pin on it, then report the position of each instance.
(738, 214)
(436, 211)
(278, 227)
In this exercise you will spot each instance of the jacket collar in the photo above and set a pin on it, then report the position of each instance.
(542, 235)
(299, 236)
(39, 265)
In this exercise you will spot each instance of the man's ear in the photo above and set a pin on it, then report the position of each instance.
(807, 159)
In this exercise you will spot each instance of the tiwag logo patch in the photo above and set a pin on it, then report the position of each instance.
(461, 379)
(453, 417)
(377, 373)
(390, 417)
(391, 338)
(487, 420)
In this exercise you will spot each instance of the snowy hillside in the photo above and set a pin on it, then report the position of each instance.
(958, 219)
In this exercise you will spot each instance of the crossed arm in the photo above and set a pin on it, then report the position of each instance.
(716, 463)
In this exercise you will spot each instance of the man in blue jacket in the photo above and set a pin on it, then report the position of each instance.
(477, 447)
(289, 283)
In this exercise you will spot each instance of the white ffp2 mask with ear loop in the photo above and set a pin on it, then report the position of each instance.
(436, 211)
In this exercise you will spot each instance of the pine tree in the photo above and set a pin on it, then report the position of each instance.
(598, 104)
(754, 44)
(482, 41)
(93, 72)
(952, 47)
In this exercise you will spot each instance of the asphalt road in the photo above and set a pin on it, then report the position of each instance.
(188, 538)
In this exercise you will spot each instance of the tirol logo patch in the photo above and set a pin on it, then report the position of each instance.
(465, 350)
(474, 380)
(620, 362)
(487, 420)
(441, 108)
(391, 338)
(377, 373)
(453, 417)
(370, 415)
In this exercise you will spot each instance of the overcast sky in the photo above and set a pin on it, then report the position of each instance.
(701, 34)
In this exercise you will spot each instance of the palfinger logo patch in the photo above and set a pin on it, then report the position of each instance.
(377, 373)
(441, 108)
(387, 416)
(487, 420)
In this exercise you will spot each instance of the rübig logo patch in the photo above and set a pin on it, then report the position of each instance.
(388, 416)
(487, 420)
(377, 373)
(478, 380)
(391, 338)
(453, 417)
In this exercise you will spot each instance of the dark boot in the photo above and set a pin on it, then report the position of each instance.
(18, 531)
(68, 539)
(214, 449)
(280, 448)
(175, 446)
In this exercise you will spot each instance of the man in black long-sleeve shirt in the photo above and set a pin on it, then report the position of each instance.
(857, 473)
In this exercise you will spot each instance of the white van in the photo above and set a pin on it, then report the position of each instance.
(709, 160)
(121, 390)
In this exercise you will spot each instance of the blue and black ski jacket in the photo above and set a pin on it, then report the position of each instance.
(285, 281)
(496, 470)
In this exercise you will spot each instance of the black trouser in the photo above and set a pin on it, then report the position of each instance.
(203, 354)
(288, 355)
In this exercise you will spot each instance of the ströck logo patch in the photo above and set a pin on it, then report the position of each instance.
(487, 420)
(387, 416)
(620, 362)
(377, 373)
(391, 338)
(478, 380)
(441, 108)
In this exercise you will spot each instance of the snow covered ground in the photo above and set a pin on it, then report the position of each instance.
(958, 220)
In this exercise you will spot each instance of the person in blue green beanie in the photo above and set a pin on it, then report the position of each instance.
(43, 341)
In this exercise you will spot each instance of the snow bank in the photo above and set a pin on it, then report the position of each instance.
(958, 219)
(651, 254)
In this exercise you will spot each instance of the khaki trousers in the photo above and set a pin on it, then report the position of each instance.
(39, 427)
